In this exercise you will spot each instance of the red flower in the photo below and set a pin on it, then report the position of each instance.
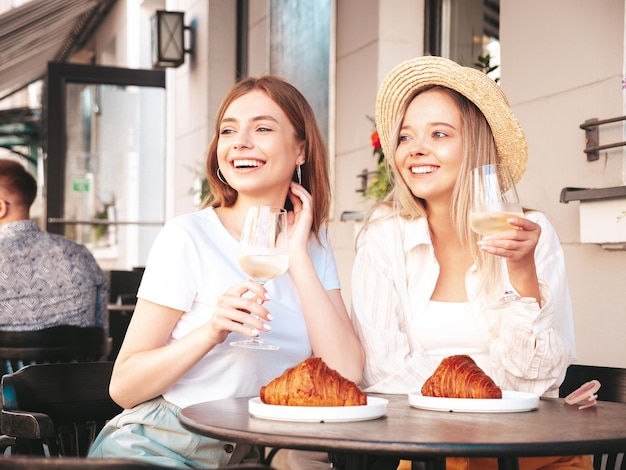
(375, 140)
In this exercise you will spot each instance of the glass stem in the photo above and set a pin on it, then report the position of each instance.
(509, 292)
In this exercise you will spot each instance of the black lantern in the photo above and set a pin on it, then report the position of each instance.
(168, 38)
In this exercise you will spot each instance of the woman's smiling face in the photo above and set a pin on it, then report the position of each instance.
(257, 148)
(430, 146)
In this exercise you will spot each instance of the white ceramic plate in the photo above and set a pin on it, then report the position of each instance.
(375, 408)
(510, 402)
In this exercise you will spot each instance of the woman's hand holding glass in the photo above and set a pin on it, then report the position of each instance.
(238, 310)
(494, 202)
(497, 214)
(300, 218)
(263, 254)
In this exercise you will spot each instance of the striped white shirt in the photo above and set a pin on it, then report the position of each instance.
(393, 278)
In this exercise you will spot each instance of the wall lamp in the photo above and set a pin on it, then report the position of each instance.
(168, 38)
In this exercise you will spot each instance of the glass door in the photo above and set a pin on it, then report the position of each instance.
(105, 175)
(466, 31)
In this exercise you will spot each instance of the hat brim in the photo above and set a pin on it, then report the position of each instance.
(408, 77)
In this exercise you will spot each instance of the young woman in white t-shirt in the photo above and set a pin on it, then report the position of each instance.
(194, 299)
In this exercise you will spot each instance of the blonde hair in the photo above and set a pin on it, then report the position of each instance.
(479, 148)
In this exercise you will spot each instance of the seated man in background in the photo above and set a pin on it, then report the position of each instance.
(45, 279)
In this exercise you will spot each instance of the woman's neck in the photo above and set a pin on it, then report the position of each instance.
(232, 219)
(440, 221)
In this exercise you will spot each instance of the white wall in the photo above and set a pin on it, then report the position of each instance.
(258, 40)
(195, 90)
(371, 40)
(562, 63)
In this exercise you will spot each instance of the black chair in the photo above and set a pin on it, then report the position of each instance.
(62, 406)
(613, 388)
(612, 379)
(75, 463)
(12, 462)
(62, 343)
(123, 286)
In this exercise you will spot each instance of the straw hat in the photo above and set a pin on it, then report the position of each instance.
(411, 75)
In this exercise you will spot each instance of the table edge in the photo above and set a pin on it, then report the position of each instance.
(408, 449)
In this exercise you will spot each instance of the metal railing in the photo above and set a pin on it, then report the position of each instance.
(592, 137)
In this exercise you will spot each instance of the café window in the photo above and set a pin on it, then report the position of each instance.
(301, 42)
(464, 31)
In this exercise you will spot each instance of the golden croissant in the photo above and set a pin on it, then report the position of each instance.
(312, 383)
(460, 377)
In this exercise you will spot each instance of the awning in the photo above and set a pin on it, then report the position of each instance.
(43, 31)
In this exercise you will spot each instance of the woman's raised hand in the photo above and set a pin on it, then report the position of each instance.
(301, 219)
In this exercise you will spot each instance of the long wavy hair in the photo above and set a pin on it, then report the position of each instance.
(479, 148)
(314, 171)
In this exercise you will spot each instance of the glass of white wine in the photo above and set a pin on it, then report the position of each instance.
(494, 200)
(263, 253)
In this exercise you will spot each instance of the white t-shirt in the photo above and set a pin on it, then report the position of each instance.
(192, 262)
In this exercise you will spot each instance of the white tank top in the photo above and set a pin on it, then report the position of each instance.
(449, 328)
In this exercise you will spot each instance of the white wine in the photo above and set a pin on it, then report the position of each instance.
(486, 223)
(262, 268)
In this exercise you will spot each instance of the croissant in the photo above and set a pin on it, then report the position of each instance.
(312, 383)
(460, 377)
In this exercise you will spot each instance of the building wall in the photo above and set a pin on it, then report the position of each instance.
(559, 70)
(562, 63)
(195, 91)
(366, 50)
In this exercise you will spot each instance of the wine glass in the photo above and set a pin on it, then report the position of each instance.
(494, 200)
(263, 253)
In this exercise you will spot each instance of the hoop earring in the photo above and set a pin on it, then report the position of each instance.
(299, 173)
(220, 177)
